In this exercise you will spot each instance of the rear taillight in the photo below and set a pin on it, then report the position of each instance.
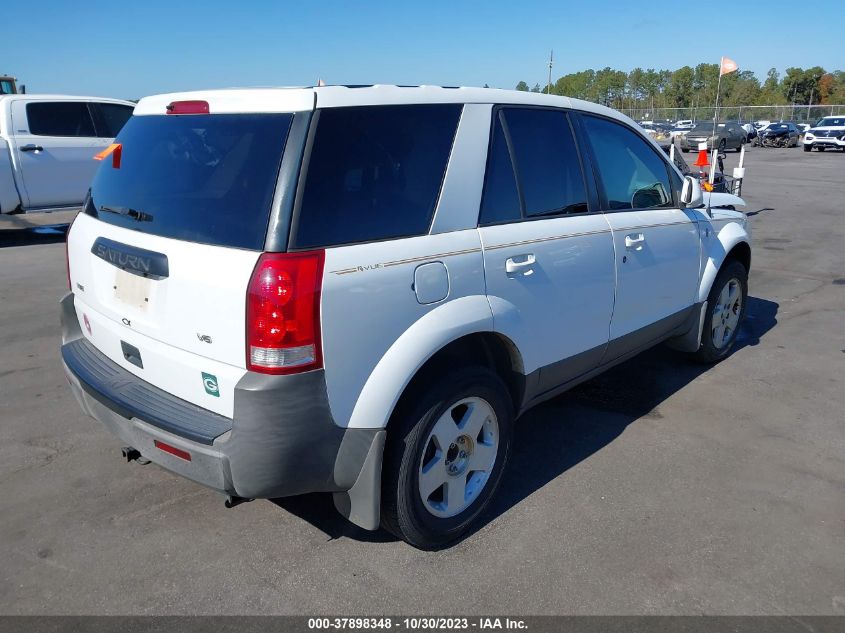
(283, 313)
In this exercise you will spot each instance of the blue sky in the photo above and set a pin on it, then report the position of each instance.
(129, 50)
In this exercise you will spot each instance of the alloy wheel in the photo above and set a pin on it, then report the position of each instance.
(726, 314)
(458, 457)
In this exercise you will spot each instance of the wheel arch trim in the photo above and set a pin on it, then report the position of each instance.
(416, 346)
(731, 237)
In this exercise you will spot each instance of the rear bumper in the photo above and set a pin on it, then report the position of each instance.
(281, 441)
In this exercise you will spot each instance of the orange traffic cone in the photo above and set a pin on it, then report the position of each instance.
(702, 156)
(701, 163)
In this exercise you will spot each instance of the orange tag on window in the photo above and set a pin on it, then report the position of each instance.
(113, 150)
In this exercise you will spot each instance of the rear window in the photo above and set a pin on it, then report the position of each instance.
(68, 118)
(374, 173)
(113, 117)
(205, 178)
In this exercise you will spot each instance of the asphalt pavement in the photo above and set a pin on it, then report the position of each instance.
(661, 487)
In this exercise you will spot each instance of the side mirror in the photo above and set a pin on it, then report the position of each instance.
(691, 194)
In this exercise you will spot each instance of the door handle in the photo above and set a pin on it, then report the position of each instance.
(524, 261)
(634, 241)
(31, 148)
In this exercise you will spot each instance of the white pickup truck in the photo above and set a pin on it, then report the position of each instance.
(47, 143)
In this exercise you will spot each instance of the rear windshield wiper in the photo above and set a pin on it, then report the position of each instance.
(140, 216)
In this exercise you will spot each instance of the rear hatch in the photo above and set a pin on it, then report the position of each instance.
(161, 256)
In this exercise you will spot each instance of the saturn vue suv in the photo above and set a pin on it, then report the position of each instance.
(358, 290)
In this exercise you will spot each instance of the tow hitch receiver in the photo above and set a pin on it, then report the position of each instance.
(130, 454)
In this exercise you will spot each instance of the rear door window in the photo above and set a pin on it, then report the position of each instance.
(547, 161)
(500, 202)
(632, 174)
(59, 118)
(534, 168)
(374, 173)
(111, 118)
(206, 178)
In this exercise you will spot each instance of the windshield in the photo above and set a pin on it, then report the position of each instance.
(705, 128)
(204, 178)
(832, 121)
(777, 126)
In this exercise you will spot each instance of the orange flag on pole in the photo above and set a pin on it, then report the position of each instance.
(727, 66)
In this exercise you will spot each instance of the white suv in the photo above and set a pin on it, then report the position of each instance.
(358, 290)
(827, 133)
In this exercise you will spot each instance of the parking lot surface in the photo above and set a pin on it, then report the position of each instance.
(661, 487)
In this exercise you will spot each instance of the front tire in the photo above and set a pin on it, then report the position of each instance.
(808, 148)
(445, 454)
(725, 312)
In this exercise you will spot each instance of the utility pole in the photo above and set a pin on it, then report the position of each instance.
(810, 107)
(794, 92)
(551, 62)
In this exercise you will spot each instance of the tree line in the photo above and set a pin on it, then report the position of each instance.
(689, 87)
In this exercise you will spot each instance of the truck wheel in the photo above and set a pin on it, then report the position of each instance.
(821, 149)
(444, 457)
(724, 314)
(808, 148)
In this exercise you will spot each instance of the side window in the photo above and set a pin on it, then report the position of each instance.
(547, 161)
(374, 173)
(112, 118)
(632, 174)
(500, 202)
(69, 118)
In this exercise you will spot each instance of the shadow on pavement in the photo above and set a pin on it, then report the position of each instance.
(48, 234)
(559, 434)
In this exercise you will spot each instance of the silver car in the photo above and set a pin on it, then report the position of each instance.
(728, 136)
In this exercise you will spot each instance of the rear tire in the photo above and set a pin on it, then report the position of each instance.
(725, 312)
(445, 453)
(821, 149)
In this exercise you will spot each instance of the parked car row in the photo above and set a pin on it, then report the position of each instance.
(827, 133)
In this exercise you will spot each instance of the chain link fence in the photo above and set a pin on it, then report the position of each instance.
(799, 113)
